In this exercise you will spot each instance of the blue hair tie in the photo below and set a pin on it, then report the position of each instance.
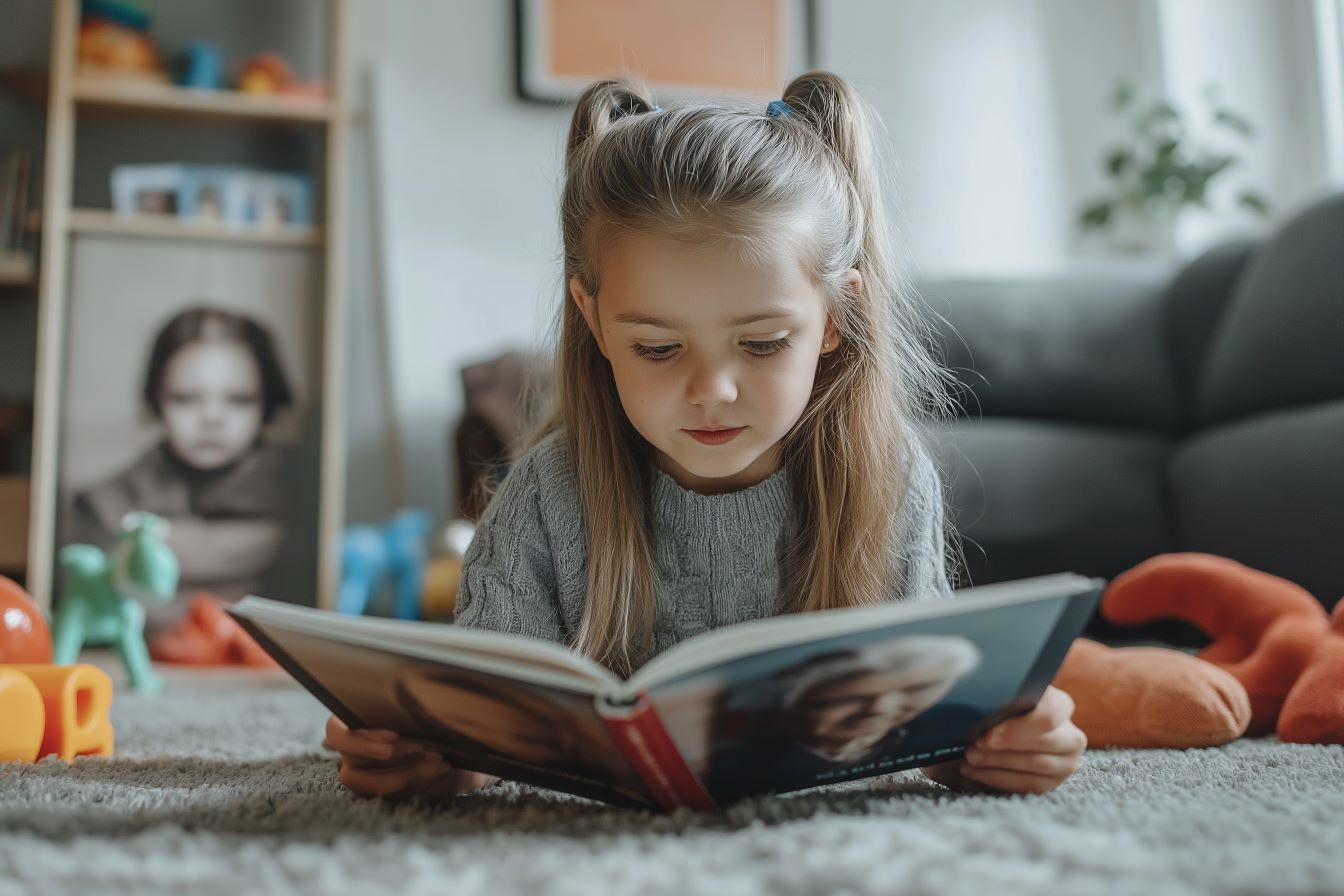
(778, 109)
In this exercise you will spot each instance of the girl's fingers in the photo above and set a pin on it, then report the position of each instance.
(395, 755)
(1054, 711)
(1010, 781)
(368, 743)
(1050, 765)
(1067, 739)
(397, 780)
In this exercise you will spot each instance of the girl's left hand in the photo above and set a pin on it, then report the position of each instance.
(1032, 753)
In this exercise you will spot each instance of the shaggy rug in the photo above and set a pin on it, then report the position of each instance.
(219, 785)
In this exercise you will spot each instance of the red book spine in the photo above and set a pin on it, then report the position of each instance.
(656, 759)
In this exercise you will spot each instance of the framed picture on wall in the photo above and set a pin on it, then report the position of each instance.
(190, 379)
(748, 48)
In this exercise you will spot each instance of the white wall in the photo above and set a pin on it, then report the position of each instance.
(996, 122)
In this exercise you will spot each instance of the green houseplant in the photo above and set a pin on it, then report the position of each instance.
(1160, 171)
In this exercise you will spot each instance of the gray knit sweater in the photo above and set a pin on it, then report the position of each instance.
(718, 558)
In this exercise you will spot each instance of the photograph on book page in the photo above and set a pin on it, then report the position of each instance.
(857, 705)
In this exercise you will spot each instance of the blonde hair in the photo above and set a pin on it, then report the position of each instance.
(706, 173)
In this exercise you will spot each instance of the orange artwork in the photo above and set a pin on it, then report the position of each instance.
(746, 47)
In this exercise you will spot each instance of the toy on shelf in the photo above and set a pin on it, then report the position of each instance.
(393, 552)
(102, 602)
(24, 635)
(207, 636)
(270, 73)
(54, 709)
(200, 66)
(114, 41)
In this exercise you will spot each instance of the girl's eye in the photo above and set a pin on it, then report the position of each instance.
(767, 347)
(653, 352)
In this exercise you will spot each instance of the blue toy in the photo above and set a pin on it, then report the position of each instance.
(395, 552)
(104, 593)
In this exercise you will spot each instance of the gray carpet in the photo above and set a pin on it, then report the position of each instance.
(218, 785)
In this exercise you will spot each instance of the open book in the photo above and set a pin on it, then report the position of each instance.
(767, 706)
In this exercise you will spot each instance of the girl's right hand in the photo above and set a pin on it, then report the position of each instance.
(377, 762)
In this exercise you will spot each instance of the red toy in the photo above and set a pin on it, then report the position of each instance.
(207, 636)
(24, 634)
(1270, 634)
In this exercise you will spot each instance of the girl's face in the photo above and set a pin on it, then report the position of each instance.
(714, 358)
(212, 403)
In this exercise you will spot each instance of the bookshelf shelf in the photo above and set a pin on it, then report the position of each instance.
(166, 100)
(102, 221)
(196, 103)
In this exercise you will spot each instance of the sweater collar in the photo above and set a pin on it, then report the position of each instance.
(766, 507)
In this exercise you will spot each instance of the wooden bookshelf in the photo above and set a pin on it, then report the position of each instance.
(103, 221)
(73, 95)
(13, 523)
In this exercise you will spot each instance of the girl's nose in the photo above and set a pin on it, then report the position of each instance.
(711, 384)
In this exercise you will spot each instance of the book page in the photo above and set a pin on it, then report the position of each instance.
(744, 639)
(471, 710)
(866, 702)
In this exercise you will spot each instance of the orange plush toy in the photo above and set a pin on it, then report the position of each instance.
(1269, 634)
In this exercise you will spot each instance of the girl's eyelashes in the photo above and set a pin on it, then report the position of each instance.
(761, 348)
(653, 352)
(764, 348)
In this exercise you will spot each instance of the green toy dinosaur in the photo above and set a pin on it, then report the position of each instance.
(105, 592)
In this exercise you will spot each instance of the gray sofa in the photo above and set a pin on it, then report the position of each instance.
(1108, 419)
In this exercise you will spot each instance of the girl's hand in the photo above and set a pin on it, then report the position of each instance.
(376, 762)
(1032, 753)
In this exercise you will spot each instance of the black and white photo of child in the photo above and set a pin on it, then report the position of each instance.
(213, 384)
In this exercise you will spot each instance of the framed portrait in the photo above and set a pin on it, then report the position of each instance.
(190, 373)
(747, 48)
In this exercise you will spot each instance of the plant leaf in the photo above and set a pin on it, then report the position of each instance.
(1118, 161)
(1122, 95)
(1254, 202)
(1233, 122)
(1096, 215)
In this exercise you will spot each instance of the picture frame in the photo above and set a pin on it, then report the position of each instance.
(562, 47)
(243, 507)
(227, 195)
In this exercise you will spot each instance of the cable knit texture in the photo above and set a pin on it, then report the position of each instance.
(718, 557)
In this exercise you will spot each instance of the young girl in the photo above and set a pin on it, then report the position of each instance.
(213, 383)
(741, 381)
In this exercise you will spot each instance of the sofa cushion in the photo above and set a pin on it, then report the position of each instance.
(1280, 341)
(1195, 301)
(1087, 349)
(1036, 497)
(1269, 492)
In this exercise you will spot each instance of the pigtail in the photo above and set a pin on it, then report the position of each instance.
(889, 396)
(598, 107)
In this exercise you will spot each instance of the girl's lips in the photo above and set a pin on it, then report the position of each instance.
(714, 436)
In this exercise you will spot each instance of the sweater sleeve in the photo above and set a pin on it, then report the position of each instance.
(508, 573)
(921, 551)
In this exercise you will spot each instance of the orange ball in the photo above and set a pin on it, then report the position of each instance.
(24, 635)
